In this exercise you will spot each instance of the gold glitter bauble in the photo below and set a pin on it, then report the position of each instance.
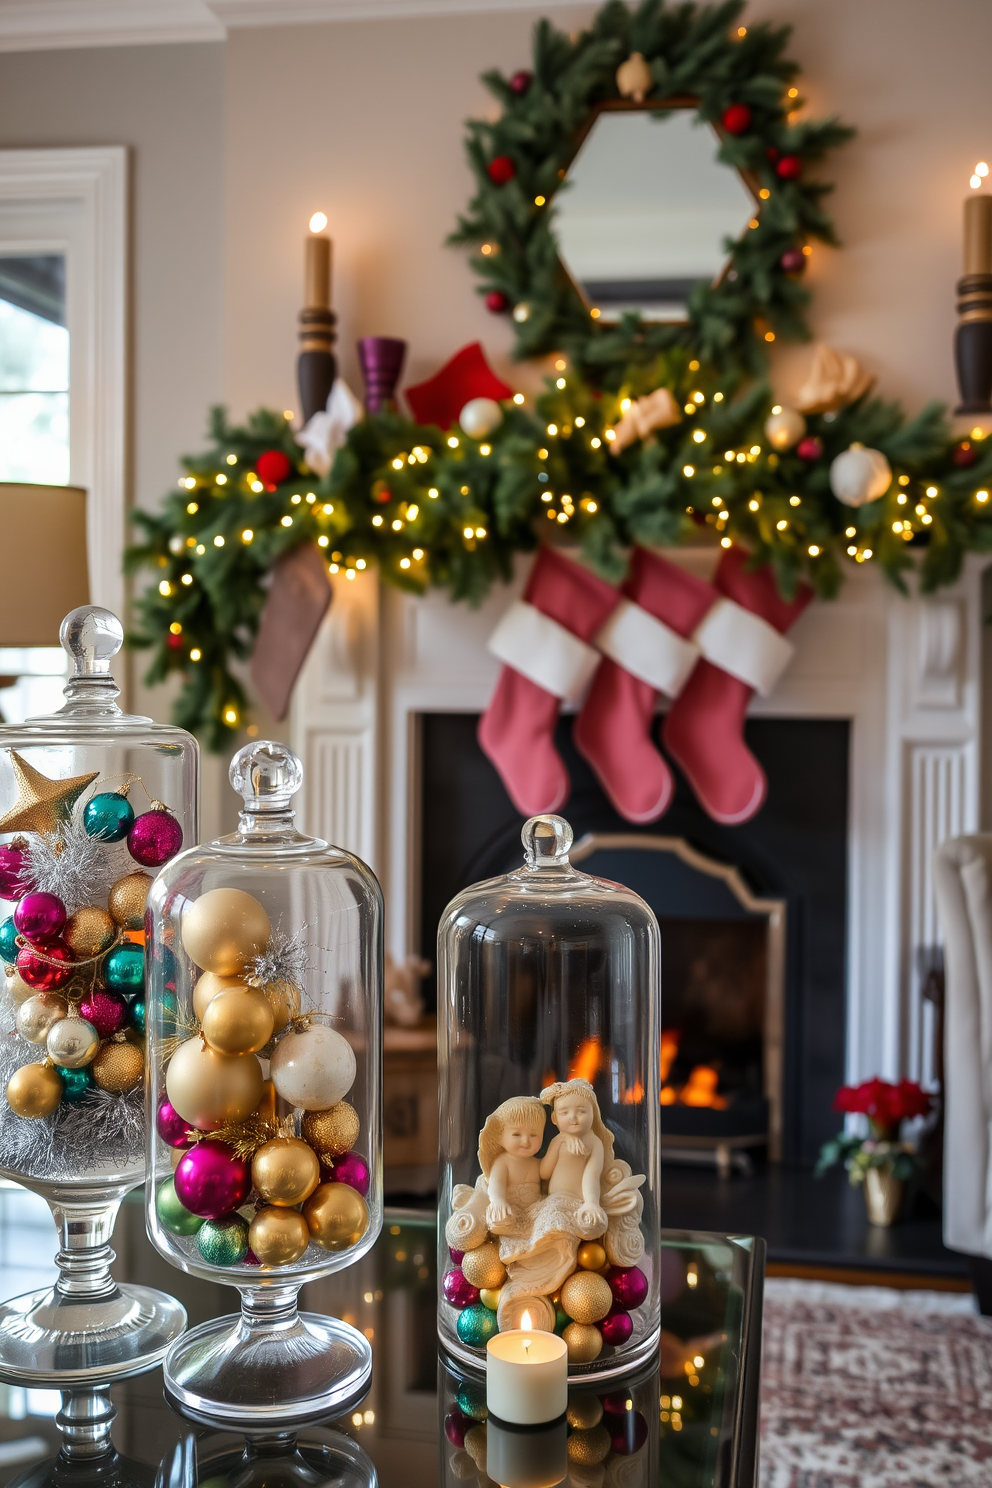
(279, 1237)
(237, 1022)
(17, 989)
(584, 1411)
(34, 1090)
(338, 1216)
(284, 1000)
(475, 1445)
(89, 932)
(285, 1171)
(489, 1297)
(126, 900)
(38, 1014)
(72, 1042)
(118, 1067)
(591, 1256)
(42, 804)
(586, 1297)
(589, 1446)
(210, 1089)
(332, 1132)
(223, 929)
(583, 1341)
(210, 986)
(483, 1267)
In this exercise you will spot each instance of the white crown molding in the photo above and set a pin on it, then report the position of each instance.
(294, 12)
(47, 25)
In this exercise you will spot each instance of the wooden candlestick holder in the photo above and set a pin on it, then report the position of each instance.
(316, 367)
(973, 337)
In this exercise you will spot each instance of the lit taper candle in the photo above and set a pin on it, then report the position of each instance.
(315, 367)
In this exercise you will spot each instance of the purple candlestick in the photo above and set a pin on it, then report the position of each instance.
(381, 360)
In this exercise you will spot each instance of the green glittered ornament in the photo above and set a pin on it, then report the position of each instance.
(75, 1083)
(109, 816)
(476, 1325)
(174, 1216)
(562, 1321)
(8, 941)
(124, 969)
(471, 1400)
(223, 1242)
(138, 1015)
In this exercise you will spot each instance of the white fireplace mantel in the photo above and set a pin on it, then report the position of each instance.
(906, 672)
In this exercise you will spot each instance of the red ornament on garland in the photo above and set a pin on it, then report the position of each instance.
(273, 468)
(174, 642)
(520, 82)
(809, 448)
(789, 168)
(965, 454)
(793, 261)
(736, 119)
(501, 169)
(497, 301)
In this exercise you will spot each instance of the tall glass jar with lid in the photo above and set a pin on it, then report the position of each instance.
(264, 1047)
(93, 801)
(548, 1049)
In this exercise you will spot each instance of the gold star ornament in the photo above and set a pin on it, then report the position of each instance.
(42, 805)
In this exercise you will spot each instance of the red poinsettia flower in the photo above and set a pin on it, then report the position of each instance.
(885, 1104)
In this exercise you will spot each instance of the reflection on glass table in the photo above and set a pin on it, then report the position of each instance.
(690, 1422)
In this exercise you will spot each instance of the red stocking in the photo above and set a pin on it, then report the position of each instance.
(744, 651)
(544, 641)
(645, 652)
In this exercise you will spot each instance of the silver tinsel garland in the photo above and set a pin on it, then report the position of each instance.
(286, 958)
(77, 868)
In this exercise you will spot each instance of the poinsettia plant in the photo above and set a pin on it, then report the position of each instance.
(886, 1106)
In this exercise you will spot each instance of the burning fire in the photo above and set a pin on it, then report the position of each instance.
(699, 1090)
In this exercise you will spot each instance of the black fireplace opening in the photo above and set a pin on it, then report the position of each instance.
(717, 1062)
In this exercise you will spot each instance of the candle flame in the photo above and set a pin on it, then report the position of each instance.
(318, 222)
(525, 1321)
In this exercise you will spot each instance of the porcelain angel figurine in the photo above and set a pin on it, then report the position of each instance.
(508, 1147)
(575, 1160)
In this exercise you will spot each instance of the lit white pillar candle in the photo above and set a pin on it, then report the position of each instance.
(526, 1376)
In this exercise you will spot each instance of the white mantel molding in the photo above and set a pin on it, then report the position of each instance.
(905, 672)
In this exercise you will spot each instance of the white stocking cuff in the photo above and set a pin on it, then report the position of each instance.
(741, 643)
(647, 648)
(543, 651)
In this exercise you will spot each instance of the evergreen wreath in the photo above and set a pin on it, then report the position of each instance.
(438, 508)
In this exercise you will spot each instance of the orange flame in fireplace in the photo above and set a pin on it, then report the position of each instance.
(701, 1087)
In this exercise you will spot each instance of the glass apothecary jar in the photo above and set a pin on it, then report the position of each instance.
(93, 802)
(548, 1052)
(265, 1054)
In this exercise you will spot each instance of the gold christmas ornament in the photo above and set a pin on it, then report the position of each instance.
(42, 804)
(210, 1089)
(585, 1296)
(489, 1297)
(584, 1411)
(72, 1042)
(591, 1256)
(279, 1237)
(34, 1090)
(338, 1216)
(37, 1015)
(223, 929)
(89, 932)
(16, 989)
(284, 1000)
(583, 1341)
(238, 1022)
(313, 1067)
(333, 1132)
(589, 1446)
(210, 986)
(285, 1171)
(126, 900)
(483, 1267)
(784, 427)
(635, 78)
(118, 1067)
(835, 379)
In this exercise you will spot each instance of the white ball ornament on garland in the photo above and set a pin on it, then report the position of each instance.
(480, 416)
(860, 475)
(313, 1068)
(784, 427)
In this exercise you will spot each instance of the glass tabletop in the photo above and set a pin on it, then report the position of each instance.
(690, 1422)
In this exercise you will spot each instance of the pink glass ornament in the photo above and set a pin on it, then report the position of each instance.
(172, 1128)
(617, 1326)
(455, 1427)
(41, 917)
(353, 1170)
(107, 1011)
(211, 1180)
(456, 1255)
(629, 1286)
(251, 1259)
(458, 1290)
(155, 838)
(617, 1404)
(628, 1433)
(37, 970)
(15, 880)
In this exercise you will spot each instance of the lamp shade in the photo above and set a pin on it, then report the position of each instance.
(43, 537)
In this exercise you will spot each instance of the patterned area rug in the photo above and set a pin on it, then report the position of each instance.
(868, 1387)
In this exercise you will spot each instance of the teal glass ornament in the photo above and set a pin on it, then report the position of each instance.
(172, 1213)
(471, 1401)
(223, 1242)
(138, 1015)
(476, 1325)
(75, 1083)
(109, 816)
(8, 941)
(124, 969)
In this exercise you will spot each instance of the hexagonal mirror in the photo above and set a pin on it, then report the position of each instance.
(644, 212)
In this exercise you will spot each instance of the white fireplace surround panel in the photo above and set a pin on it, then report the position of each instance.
(905, 672)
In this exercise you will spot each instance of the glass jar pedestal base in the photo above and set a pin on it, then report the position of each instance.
(271, 1366)
(86, 1329)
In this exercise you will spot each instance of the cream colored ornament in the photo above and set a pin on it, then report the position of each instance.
(313, 1068)
(835, 379)
(860, 475)
(784, 427)
(72, 1042)
(223, 929)
(480, 416)
(586, 1297)
(209, 986)
(238, 1021)
(37, 1015)
(583, 1341)
(658, 410)
(634, 78)
(210, 1089)
(17, 989)
(483, 1267)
